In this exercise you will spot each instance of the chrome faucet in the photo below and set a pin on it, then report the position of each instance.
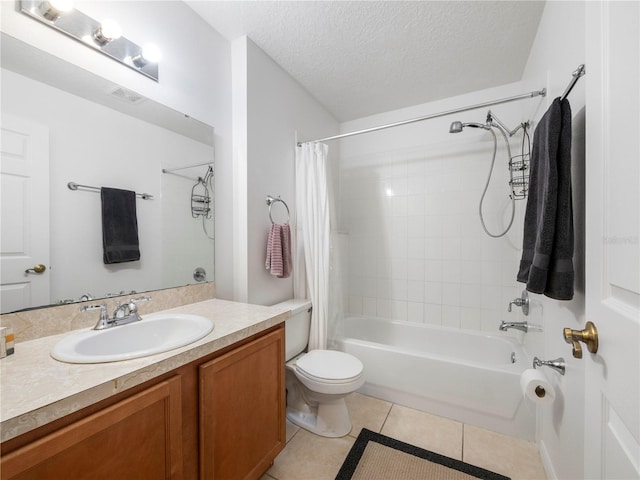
(522, 326)
(123, 314)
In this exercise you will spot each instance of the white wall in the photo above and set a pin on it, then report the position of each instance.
(129, 154)
(409, 201)
(557, 51)
(195, 78)
(271, 110)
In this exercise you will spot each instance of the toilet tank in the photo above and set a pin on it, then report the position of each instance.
(297, 327)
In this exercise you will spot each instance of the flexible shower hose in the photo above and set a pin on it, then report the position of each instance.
(486, 187)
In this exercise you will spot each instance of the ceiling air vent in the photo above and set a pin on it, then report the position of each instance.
(128, 96)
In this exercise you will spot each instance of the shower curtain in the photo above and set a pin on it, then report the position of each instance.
(317, 274)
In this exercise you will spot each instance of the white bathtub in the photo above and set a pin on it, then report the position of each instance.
(465, 375)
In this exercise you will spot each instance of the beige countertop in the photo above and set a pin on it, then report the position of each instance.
(36, 389)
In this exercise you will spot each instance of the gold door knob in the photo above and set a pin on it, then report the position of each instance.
(39, 268)
(589, 336)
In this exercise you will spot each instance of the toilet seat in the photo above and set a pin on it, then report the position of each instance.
(329, 371)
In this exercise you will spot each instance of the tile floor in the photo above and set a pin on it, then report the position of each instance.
(310, 457)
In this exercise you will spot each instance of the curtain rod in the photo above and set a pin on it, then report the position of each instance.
(533, 94)
(169, 170)
(580, 71)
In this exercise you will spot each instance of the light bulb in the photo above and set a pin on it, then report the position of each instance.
(52, 9)
(108, 31)
(151, 53)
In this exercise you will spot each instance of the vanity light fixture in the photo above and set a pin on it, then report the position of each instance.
(105, 37)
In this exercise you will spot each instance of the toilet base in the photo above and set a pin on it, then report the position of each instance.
(327, 419)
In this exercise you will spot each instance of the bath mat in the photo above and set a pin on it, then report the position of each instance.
(377, 457)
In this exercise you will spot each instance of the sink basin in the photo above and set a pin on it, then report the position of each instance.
(153, 334)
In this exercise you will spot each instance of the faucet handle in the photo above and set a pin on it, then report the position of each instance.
(133, 303)
(522, 301)
(104, 318)
(103, 308)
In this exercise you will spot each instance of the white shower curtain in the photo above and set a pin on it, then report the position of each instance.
(315, 256)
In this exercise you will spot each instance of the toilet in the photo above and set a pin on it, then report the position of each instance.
(317, 381)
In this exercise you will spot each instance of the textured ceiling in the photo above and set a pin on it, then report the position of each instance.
(366, 57)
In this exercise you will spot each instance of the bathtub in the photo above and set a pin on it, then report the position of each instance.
(464, 375)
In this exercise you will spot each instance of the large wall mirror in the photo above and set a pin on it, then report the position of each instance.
(62, 124)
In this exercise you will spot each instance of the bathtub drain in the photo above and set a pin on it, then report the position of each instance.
(513, 357)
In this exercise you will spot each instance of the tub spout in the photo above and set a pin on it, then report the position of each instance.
(522, 326)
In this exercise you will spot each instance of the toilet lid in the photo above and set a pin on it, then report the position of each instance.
(330, 365)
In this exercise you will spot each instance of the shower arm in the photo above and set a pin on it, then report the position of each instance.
(491, 118)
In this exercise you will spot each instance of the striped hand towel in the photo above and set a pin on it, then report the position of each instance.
(279, 251)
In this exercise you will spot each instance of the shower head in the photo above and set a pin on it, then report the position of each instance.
(456, 127)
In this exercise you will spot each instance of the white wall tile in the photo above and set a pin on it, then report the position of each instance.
(432, 314)
(415, 226)
(384, 308)
(433, 248)
(470, 272)
(433, 270)
(415, 248)
(369, 306)
(470, 296)
(415, 312)
(491, 296)
(450, 316)
(451, 294)
(415, 269)
(415, 291)
(399, 310)
(451, 271)
(355, 304)
(433, 292)
(470, 318)
(417, 245)
(491, 273)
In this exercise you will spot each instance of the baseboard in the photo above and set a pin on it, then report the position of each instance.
(546, 461)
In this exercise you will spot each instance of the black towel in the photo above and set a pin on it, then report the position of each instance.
(547, 251)
(119, 226)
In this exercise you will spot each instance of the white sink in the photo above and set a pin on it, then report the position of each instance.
(153, 334)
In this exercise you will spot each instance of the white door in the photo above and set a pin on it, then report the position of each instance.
(24, 216)
(612, 391)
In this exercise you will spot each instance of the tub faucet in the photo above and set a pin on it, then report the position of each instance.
(522, 326)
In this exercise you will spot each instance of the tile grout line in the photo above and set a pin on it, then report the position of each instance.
(463, 425)
(386, 418)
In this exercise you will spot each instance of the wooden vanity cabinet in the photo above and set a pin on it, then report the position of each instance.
(242, 410)
(220, 417)
(139, 437)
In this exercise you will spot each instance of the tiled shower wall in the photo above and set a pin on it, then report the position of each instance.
(416, 248)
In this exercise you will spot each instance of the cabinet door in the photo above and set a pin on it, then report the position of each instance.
(242, 410)
(137, 438)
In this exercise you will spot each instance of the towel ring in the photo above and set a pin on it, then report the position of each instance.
(271, 200)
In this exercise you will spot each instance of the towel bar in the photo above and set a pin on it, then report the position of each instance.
(75, 186)
(271, 200)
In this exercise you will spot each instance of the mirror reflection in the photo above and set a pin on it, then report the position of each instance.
(51, 137)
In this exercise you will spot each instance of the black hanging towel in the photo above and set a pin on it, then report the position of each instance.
(547, 250)
(119, 226)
